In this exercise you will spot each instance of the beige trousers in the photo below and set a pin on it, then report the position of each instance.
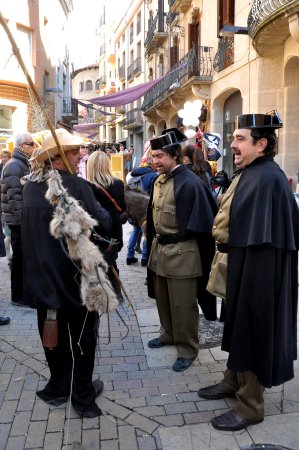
(248, 391)
(179, 315)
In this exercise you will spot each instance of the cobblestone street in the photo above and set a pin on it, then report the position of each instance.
(145, 404)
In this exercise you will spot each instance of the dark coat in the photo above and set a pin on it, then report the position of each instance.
(116, 191)
(11, 187)
(262, 280)
(51, 279)
(195, 210)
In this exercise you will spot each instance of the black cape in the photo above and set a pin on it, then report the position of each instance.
(262, 281)
(195, 209)
(51, 279)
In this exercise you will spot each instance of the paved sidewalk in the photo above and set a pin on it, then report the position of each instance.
(145, 404)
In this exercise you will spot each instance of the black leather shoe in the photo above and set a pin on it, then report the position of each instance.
(144, 262)
(4, 320)
(132, 261)
(214, 392)
(98, 386)
(232, 421)
(182, 364)
(155, 343)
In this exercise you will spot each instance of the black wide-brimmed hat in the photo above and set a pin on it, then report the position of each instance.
(268, 120)
(169, 137)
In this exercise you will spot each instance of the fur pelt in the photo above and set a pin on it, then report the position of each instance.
(137, 203)
(72, 223)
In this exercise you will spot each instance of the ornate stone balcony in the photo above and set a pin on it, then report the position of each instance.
(271, 22)
(179, 5)
(196, 67)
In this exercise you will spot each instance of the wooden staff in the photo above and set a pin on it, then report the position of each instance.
(17, 54)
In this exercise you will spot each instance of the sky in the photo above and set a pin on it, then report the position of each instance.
(83, 24)
(83, 41)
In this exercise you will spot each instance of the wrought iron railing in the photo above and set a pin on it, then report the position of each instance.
(134, 68)
(225, 54)
(157, 25)
(69, 106)
(170, 16)
(122, 72)
(261, 10)
(198, 62)
(134, 116)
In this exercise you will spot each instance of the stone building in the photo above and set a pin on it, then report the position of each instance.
(236, 56)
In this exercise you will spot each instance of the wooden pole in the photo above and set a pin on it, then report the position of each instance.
(18, 55)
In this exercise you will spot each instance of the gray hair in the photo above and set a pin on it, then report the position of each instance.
(21, 138)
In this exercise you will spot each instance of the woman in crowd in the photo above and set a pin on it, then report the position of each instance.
(110, 193)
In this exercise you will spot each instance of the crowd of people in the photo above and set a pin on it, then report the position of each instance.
(241, 246)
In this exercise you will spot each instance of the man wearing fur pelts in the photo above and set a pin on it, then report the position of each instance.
(53, 267)
(180, 220)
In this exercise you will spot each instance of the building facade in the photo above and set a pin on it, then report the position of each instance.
(235, 56)
(37, 27)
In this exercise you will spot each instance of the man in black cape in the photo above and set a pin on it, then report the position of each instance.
(259, 229)
(180, 219)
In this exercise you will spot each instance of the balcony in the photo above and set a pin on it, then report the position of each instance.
(122, 72)
(69, 107)
(134, 119)
(102, 81)
(120, 109)
(225, 54)
(134, 69)
(270, 23)
(194, 68)
(179, 5)
(156, 33)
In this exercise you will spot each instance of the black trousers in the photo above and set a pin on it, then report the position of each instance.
(16, 276)
(79, 325)
(2, 246)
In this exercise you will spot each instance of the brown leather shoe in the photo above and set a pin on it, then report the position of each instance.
(232, 421)
(214, 392)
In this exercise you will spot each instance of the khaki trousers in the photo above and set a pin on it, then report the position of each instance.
(179, 315)
(248, 391)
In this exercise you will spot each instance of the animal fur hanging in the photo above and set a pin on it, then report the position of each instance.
(73, 224)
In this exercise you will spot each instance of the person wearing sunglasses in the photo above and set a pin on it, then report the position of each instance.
(11, 207)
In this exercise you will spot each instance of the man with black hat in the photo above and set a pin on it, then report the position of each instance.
(258, 227)
(181, 214)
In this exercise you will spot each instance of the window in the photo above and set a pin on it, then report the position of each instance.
(131, 33)
(226, 13)
(138, 23)
(97, 84)
(88, 85)
(81, 86)
(24, 40)
(6, 113)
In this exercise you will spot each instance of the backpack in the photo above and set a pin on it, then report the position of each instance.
(136, 182)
